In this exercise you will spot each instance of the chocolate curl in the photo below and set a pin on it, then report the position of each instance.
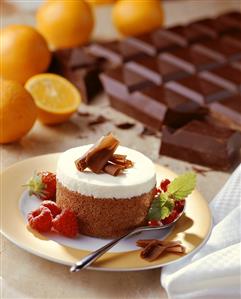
(144, 243)
(153, 248)
(98, 155)
(121, 160)
(152, 251)
(113, 169)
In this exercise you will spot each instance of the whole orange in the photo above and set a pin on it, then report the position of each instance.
(65, 23)
(97, 2)
(23, 53)
(18, 111)
(138, 16)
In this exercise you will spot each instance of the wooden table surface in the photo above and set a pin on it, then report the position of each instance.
(24, 275)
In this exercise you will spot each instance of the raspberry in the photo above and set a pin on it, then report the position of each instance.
(170, 218)
(52, 206)
(179, 205)
(66, 224)
(164, 185)
(40, 219)
(154, 223)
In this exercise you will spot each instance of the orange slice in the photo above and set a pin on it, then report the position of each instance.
(55, 97)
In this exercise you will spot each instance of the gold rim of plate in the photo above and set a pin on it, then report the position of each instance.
(192, 229)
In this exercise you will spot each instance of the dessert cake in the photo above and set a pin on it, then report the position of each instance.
(106, 205)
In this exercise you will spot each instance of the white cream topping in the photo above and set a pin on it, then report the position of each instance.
(135, 181)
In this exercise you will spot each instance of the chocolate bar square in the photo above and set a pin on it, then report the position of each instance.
(113, 51)
(190, 60)
(202, 143)
(226, 76)
(219, 50)
(151, 43)
(156, 69)
(198, 89)
(228, 111)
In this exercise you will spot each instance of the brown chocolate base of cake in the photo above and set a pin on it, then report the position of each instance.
(105, 217)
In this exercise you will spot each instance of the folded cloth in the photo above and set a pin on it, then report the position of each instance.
(214, 272)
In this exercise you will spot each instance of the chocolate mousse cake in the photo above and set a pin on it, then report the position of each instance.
(110, 200)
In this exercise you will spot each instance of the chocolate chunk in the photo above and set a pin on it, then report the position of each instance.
(228, 111)
(190, 60)
(155, 69)
(231, 20)
(225, 76)
(219, 50)
(202, 143)
(198, 89)
(237, 64)
(125, 126)
(80, 68)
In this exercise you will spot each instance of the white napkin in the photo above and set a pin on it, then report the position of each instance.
(214, 272)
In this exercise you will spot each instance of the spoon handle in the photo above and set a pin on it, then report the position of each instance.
(93, 256)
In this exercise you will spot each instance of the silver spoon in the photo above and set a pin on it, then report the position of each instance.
(93, 256)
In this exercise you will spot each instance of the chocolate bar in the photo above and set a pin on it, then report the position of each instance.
(151, 104)
(173, 77)
(202, 143)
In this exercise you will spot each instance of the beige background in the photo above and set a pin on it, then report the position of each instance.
(26, 276)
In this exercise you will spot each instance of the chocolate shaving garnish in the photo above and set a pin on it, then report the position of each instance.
(101, 158)
(83, 114)
(144, 243)
(153, 249)
(199, 170)
(99, 120)
(148, 132)
(113, 169)
(98, 155)
(125, 126)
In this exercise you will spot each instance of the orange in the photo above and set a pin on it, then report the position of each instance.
(17, 111)
(56, 98)
(97, 2)
(23, 53)
(65, 23)
(137, 17)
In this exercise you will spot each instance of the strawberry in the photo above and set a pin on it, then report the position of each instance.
(43, 185)
(40, 219)
(66, 224)
(52, 206)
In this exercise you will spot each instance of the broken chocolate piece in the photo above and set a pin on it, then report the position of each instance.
(98, 155)
(152, 251)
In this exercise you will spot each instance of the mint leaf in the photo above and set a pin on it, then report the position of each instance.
(182, 186)
(163, 199)
(155, 210)
(167, 208)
